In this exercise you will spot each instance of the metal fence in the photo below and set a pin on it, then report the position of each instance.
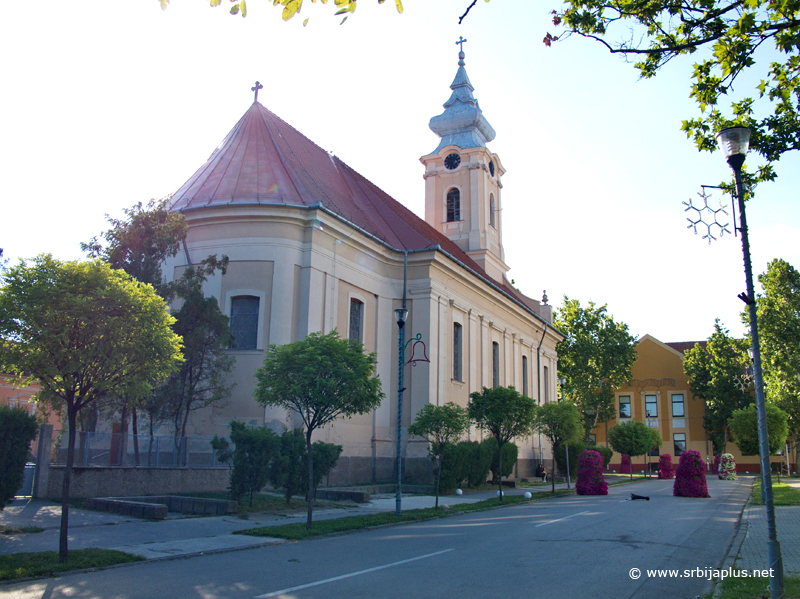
(119, 449)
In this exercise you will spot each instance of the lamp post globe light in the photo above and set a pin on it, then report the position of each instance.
(734, 143)
(401, 315)
(561, 382)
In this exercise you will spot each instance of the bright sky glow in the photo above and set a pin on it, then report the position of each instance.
(107, 104)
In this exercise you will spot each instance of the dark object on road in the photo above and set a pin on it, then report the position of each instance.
(634, 497)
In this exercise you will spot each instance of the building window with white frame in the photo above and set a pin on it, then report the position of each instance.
(495, 364)
(679, 442)
(525, 376)
(453, 205)
(678, 408)
(546, 377)
(244, 322)
(624, 406)
(492, 211)
(457, 342)
(356, 320)
(651, 406)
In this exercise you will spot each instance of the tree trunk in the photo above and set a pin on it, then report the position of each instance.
(135, 437)
(500, 468)
(438, 480)
(64, 533)
(553, 469)
(310, 478)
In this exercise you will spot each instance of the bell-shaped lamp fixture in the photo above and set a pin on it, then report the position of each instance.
(734, 143)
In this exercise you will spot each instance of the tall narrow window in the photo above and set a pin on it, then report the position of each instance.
(491, 211)
(677, 406)
(356, 320)
(525, 376)
(453, 205)
(457, 352)
(679, 442)
(495, 364)
(244, 322)
(651, 406)
(624, 406)
(546, 377)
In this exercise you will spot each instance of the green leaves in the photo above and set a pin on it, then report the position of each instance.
(737, 35)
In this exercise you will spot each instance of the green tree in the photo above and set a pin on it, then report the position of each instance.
(504, 413)
(17, 432)
(203, 378)
(255, 449)
(715, 376)
(321, 378)
(779, 330)
(289, 8)
(595, 357)
(732, 37)
(440, 425)
(634, 438)
(744, 426)
(84, 331)
(559, 422)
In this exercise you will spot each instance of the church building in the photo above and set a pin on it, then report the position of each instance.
(315, 246)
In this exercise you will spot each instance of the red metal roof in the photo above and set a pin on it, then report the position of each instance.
(265, 160)
(684, 346)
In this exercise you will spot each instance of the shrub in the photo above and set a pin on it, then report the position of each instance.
(17, 432)
(454, 466)
(715, 467)
(590, 474)
(665, 470)
(690, 478)
(575, 450)
(255, 448)
(727, 467)
(477, 462)
(605, 452)
(510, 453)
(289, 469)
(625, 468)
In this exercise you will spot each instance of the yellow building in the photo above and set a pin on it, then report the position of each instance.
(658, 395)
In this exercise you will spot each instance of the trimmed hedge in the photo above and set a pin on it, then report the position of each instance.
(17, 432)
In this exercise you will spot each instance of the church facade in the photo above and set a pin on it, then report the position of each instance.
(315, 246)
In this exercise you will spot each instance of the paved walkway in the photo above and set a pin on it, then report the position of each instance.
(181, 536)
(749, 549)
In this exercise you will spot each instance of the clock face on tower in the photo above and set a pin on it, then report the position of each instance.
(452, 161)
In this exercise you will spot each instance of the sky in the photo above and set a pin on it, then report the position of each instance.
(108, 104)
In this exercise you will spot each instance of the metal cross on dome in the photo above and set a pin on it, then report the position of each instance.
(255, 88)
(460, 43)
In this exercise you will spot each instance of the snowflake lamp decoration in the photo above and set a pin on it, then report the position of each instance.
(744, 381)
(697, 213)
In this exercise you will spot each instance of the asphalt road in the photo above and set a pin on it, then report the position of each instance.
(569, 547)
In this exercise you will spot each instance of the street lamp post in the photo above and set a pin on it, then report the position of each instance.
(561, 381)
(401, 314)
(734, 143)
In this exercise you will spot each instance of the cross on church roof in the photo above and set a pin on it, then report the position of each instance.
(255, 88)
(460, 42)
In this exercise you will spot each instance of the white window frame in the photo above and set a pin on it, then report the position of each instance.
(229, 295)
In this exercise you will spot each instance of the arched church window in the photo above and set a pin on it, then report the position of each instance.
(453, 205)
(457, 352)
(244, 322)
(491, 211)
(356, 320)
(495, 364)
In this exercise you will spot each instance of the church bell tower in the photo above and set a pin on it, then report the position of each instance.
(462, 178)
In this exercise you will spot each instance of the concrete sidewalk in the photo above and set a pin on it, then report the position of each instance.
(181, 536)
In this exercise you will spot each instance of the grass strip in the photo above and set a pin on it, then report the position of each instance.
(15, 530)
(757, 588)
(297, 530)
(45, 563)
(782, 494)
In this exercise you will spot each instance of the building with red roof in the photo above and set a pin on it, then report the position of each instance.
(315, 246)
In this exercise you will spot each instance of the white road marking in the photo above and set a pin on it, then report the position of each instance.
(560, 519)
(343, 576)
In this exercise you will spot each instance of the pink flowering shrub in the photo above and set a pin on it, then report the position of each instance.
(715, 467)
(727, 467)
(590, 474)
(665, 470)
(626, 465)
(690, 478)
